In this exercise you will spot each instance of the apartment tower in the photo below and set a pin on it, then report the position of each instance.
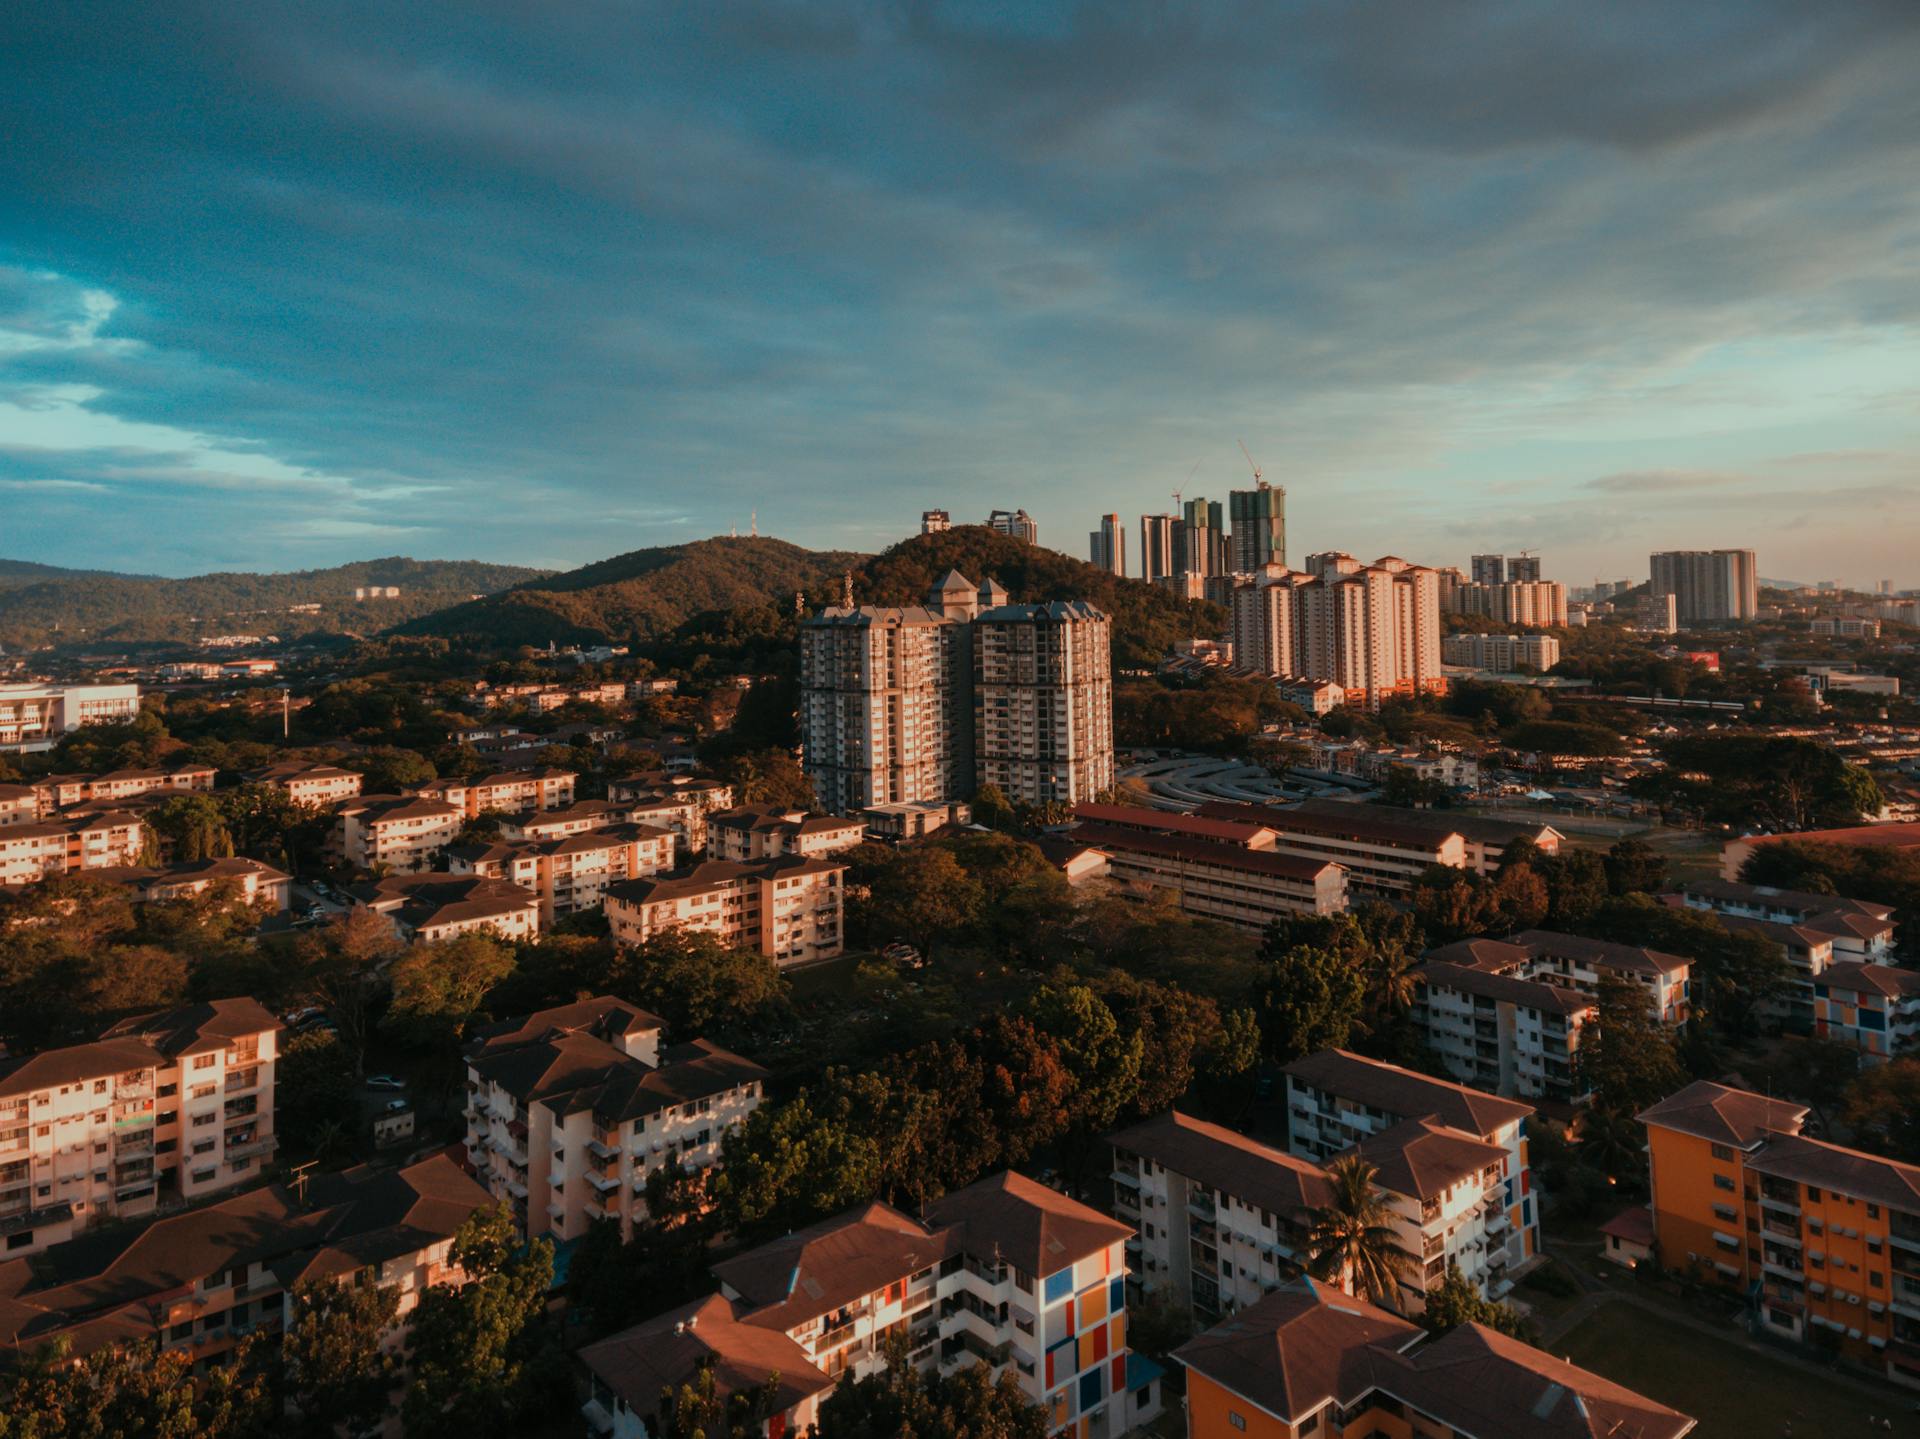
(1708, 585)
(1160, 543)
(1108, 545)
(1259, 534)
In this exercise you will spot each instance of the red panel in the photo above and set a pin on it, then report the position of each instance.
(1120, 1374)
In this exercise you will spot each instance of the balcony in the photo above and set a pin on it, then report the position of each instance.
(1202, 1206)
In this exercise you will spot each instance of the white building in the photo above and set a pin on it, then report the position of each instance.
(790, 909)
(1374, 630)
(165, 1108)
(1043, 702)
(1708, 585)
(399, 832)
(572, 1110)
(1499, 1031)
(1502, 653)
(35, 716)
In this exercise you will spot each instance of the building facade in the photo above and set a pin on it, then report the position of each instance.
(1503, 653)
(35, 717)
(1159, 546)
(1043, 702)
(401, 833)
(1374, 630)
(1258, 521)
(1708, 586)
(1107, 546)
(69, 844)
(789, 909)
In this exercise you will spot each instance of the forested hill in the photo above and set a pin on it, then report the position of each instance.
(641, 596)
(661, 595)
(76, 607)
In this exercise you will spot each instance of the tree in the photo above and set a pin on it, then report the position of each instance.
(335, 1368)
(1103, 1060)
(1820, 1071)
(1612, 1143)
(921, 896)
(1453, 1302)
(1779, 782)
(701, 1409)
(697, 984)
(194, 826)
(1306, 1000)
(1635, 867)
(438, 988)
(482, 1356)
(316, 1086)
(1351, 1239)
(991, 809)
(790, 1164)
(387, 769)
(336, 964)
(901, 1401)
(1629, 1063)
(1883, 1110)
(123, 1391)
(770, 776)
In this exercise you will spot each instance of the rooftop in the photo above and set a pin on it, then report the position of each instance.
(1724, 1115)
(1267, 1178)
(1405, 1093)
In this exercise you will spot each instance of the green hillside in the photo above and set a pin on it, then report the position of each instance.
(74, 607)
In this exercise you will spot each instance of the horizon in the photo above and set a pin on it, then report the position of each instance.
(287, 289)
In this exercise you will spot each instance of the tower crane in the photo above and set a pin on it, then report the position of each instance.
(1250, 462)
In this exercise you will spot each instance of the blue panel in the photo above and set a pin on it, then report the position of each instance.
(1093, 1387)
(1059, 1285)
(1526, 1212)
(1872, 1019)
(1116, 1295)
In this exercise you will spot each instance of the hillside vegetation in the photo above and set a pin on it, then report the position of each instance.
(72, 607)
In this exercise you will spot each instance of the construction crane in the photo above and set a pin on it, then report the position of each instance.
(1188, 481)
(1250, 463)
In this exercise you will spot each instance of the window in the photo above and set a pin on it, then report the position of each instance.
(1721, 1181)
(205, 1061)
(1238, 1421)
(1721, 1151)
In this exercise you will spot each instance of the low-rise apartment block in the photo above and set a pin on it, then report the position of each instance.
(402, 833)
(1310, 1361)
(789, 909)
(1823, 1241)
(251, 880)
(35, 717)
(765, 831)
(1503, 654)
(914, 819)
(1005, 1272)
(203, 1280)
(509, 792)
(1581, 964)
(167, 1107)
(62, 790)
(572, 874)
(434, 906)
(1857, 928)
(572, 1110)
(1337, 1101)
(49, 848)
(316, 786)
(1498, 1031)
(580, 817)
(1229, 870)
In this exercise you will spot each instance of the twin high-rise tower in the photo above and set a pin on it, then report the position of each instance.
(926, 703)
(1206, 539)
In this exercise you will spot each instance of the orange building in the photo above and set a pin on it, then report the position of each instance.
(1823, 1240)
(1311, 1361)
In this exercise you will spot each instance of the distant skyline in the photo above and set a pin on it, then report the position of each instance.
(283, 286)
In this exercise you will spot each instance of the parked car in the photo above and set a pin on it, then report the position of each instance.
(305, 1018)
(385, 1081)
(394, 1106)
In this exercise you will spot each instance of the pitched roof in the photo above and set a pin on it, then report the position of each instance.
(1831, 1166)
(1422, 1159)
(708, 875)
(1405, 1093)
(1356, 821)
(144, 1042)
(664, 1352)
(1230, 830)
(1008, 1216)
(1201, 851)
(1601, 953)
(1885, 979)
(1491, 955)
(1527, 993)
(1805, 901)
(1251, 1172)
(816, 1270)
(1724, 1115)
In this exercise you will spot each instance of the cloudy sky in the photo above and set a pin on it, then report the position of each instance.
(285, 285)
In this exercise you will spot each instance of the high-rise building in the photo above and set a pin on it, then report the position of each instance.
(1017, 523)
(1659, 614)
(1203, 539)
(1109, 545)
(1505, 653)
(1541, 603)
(1259, 521)
(891, 711)
(1488, 569)
(1523, 569)
(935, 522)
(1374, 630)
(1043, 702)
(1708, 585)
(1159, 546)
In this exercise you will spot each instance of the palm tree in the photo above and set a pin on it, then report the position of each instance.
(1391, 983)
(1351, 1238)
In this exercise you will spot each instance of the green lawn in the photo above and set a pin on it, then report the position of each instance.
(1735, 1392)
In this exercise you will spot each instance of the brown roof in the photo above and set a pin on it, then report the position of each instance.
(662, 1353)
(379, 808)
(1478, 828)
(146, 1042)
(1353, 821)
(1527, 993)
(1008, 1216)
(708, 875)
(1722, 1115)
(1251, 1172)
(1202, 825)
(1633, 1225)
(1600, 953)
(1405, 1093)
(1491, 955)
(1299, 1347)
(816, 1270)
(1422, 1159)
(1830, 1166)
(1862, 978)
(1201, 851)
(1803, 901)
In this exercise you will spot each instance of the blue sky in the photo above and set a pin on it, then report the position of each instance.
(285, 285)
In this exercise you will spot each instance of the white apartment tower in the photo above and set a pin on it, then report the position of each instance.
(1043, 701)
(1108, 545)
(1708, 585)
(1372, 629)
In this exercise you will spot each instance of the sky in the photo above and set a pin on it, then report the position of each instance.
(285, 285)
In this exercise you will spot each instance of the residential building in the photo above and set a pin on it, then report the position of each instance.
(908, 820)
(1823, 1241)
(1582, 964)
(1503, 654)
(1043, 702)
(161, 1108)
(1005, 1272)
(1541, 603)
(436, 906)
(1659, 614)
(202, 1280)
(1374, 630)
(35, 717)
(1385, 848)
(252, 881)
(1708, 586)
(19, 804)
(571, 874)
(583, 816)
(789, 909)
(935, 522)
(570, 1111)
(1337, 1100)
(1316, 697)
(318, 786)
(765, 831)
(69, 844)
(1523, 569)
(1159, 547)
(1202, 539)
(1258, 519)
(1734, 853)
(1016, 524)
(398, 832)
(1227, 870)
(1488, 569)
(63, 790)
(1847, 627)
(519, 791)
(1873, 1007)
(1107, 545)
(1310, 1361)
(675, 802)
(1497, 1031)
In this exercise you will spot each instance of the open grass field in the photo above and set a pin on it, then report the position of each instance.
(1734, 1391)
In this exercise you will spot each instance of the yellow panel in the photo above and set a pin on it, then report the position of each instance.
(1093, 1305)
(1086, 1350)
(1117, 1334)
